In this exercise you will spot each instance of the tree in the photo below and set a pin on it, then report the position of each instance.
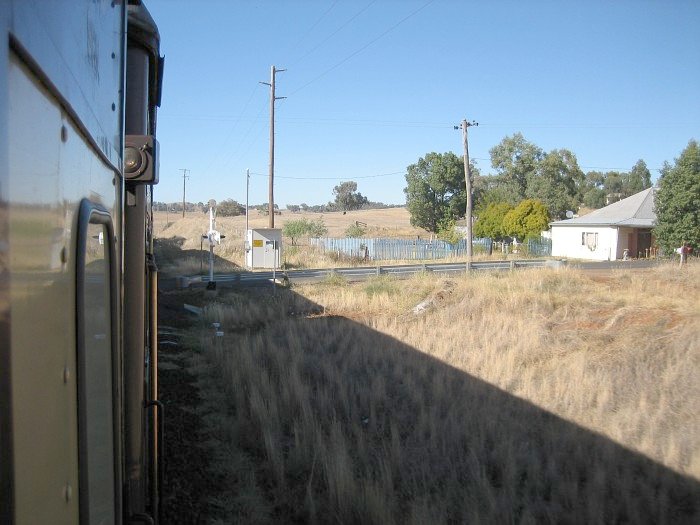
(516, 159)
(296, 228)
(527, 219)
(499, 191)
(558, 183)
(638, 179)
(435, 191)
(229, 208)
(299, 227)
(490, 220)
(447, 232)
(593, 191)
(347, 197)
(613, 184)
(594, 198)
(677, 201)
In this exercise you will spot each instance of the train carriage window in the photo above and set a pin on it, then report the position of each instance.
(96, 367)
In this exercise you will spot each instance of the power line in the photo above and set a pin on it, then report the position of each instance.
(233, 128)
(402, 172)
(342, 26)
(355, 53)
(235, 154)
(313, 26)
(417, 124)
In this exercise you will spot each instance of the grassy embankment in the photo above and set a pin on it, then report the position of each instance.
(528, 397)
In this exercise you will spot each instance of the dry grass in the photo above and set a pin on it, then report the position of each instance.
(535, 396)
(390, 222)
(387, 223)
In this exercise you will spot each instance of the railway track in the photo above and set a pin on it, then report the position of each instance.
(364, 272)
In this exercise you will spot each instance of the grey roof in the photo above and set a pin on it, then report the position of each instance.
(636, 211)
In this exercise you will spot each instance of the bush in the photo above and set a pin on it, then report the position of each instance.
(446, 232)
(300, 227)
(295, 229)
(354, 231)
(317, 228)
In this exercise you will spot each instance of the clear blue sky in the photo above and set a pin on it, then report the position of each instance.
(372, 86)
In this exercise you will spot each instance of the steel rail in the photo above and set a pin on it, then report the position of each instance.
(365, 272)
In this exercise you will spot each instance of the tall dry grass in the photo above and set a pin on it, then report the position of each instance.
(533, 396)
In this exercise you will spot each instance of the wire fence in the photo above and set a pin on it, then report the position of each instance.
(398, 249)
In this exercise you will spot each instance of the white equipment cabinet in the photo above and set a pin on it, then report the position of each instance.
(263, 248)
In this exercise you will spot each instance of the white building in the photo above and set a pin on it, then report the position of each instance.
(605, 234)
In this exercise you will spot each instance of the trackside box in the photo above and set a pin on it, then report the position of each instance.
(263, 248)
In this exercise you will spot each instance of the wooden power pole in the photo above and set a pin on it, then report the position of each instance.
(271, 191)
(184, 184)
(468, 182)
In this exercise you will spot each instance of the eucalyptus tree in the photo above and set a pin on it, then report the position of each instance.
(435, 190)
(515, 160)
(347, 197)
(558, 183)
(677, 201)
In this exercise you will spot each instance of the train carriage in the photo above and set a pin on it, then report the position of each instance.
(79, 416)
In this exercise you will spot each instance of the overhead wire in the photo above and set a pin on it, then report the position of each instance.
(361, 49)
(230, 133)
(402, 172)
(313, 26)
(235, 154)
(342, 26)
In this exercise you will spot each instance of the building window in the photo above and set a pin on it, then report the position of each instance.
(590, 240)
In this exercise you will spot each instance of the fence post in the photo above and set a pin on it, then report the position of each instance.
(379, 270)
(512, 264)
(468, 266)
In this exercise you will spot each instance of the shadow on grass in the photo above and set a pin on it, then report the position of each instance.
(331, 421)
(172, 260)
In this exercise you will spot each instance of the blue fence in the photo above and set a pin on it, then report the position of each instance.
(398, 249)
(539, 247)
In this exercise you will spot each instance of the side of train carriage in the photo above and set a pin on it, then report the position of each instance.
(80, 83)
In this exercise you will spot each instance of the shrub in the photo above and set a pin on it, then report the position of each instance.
(355, 230)
(296, 228)
(317, 228)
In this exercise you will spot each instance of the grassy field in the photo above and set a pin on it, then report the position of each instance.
(527, 397)
(390, 222)
(186, 233)
(178, 239)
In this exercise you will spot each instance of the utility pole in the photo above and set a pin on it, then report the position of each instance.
(247, 188)
(464, 126)
(271, 197)
(184, 184)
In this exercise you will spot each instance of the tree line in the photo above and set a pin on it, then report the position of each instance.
(530, 186)
(347, 198)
